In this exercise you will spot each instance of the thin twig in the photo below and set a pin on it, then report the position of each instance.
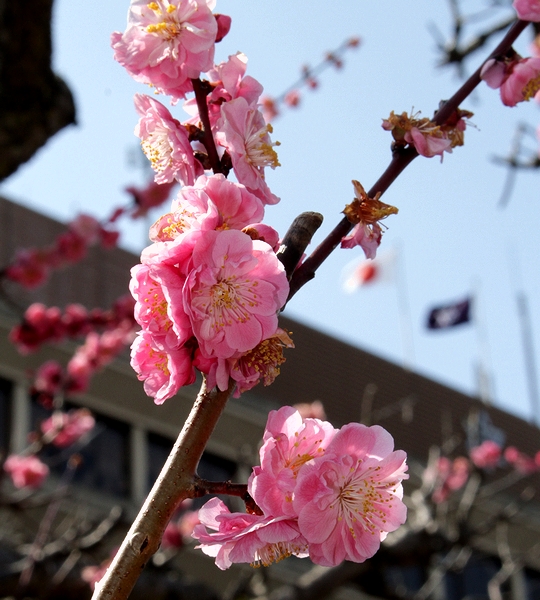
(401, 158)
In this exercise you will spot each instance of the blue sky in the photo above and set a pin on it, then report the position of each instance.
(454, 239)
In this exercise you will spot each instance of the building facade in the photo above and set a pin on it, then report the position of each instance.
(124, 454)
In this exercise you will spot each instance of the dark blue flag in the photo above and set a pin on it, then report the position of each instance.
(451, 315)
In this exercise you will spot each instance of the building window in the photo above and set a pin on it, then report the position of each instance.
(473, 579)
(6, 394)
(104, 454)
(532, 582)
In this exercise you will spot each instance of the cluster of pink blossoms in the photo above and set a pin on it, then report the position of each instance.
(330, 494)
(61, 429)
(42, 324)
(448, 476)
(208, 291)
(209, 288)
(32, 266)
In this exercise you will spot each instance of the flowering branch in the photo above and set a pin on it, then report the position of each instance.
(175, 483)
(401, 158)
(202, 89)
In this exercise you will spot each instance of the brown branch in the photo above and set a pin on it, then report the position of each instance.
(401, 158)
(174, 484)
(296, 240)
(202, 89)
(203, 487)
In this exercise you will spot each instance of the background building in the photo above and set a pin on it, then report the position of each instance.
(133, 437)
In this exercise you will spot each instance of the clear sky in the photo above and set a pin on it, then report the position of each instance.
(453, 238)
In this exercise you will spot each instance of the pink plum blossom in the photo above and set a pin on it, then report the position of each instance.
(349, 499)
(245, 135)
(233, 292)
(165, 142)
(487, 455)
(521, 462)
(517, 79)
(229, 81)
(48, 381)
(97, 351)
(223, 26)
(365, 213)
(159, 309)
(154, 194)
(87, 227)
(527, 10)
(452, 475)
(368, 237)
(289, 443)
(167, 44)
(263, 232)
(246, 538)
(212, 203)
(26, 471)
(64, 429)
(249, 368)
(163, 369)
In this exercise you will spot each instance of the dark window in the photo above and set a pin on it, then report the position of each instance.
(104, 454)
(473, 579)
(6, 394)
(405, 580)
(532, 579)
(211, 467)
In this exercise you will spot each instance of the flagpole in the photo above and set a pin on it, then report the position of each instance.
(405, 320)
(528, 351)
(484, 363)
(526, 334)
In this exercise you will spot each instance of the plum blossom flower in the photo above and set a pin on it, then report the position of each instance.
(26, 471)
(365, 213)
(246, 538)
(247, 369)
(518, 79)
(154, 194)
(330, 494)
(233, 292)
(427, 137)
(229, 81)
(527, 10)
(487, 455)
(289, 443)
(165, 142)
(155, 288)
(64, 429)
(521, 462)
(212, 203)
(164, 369)
(167, 43)
(452, 475)
(245, 135)
(348, 500)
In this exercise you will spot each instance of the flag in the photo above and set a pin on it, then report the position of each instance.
(450, 315)
(361, 272)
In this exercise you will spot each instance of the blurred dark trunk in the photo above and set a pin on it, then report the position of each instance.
(34, 102)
